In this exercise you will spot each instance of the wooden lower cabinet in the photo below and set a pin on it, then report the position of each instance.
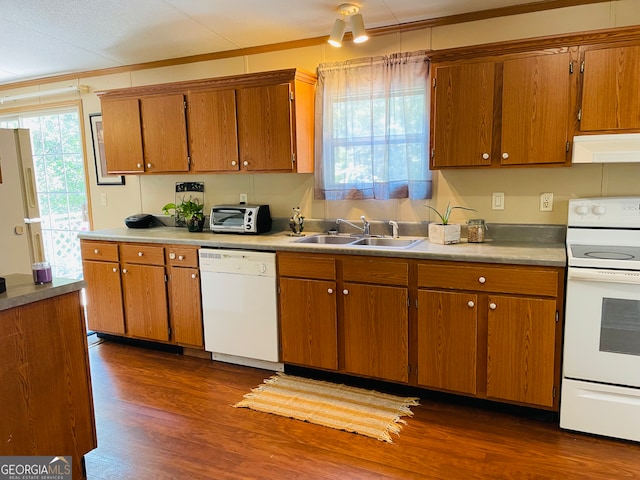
(521, 344)
(376, 331)
(185, 307)
(491, 331)
(345, 313)
(447, 340)
(145, 301)
(308, 322)
(133, 291)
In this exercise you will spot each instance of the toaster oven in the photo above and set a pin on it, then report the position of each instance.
(240, 219)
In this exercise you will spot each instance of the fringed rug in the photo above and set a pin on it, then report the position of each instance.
(357, 410)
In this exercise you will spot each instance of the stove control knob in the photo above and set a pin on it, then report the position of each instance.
(599, 210)
(582, 209)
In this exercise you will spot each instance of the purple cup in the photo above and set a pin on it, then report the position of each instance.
(41, 273)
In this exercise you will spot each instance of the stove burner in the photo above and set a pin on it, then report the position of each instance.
(609, 255)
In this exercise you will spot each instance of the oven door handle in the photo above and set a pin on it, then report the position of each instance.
(602, 275)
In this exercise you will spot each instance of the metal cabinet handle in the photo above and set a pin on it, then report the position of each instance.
(505, 155)
(493, 306)
(482, 279)
(471, 304)
(140, 254)
(329, 290)
(485, 156)
(96, 251)
(345, 291)
(124, 270)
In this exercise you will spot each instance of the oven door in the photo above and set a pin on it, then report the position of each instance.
(228, 219)
(602, 326)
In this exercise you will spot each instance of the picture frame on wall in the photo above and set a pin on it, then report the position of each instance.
(97, 137)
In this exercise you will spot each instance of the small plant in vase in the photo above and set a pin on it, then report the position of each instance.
(188, 210)
(444, 232)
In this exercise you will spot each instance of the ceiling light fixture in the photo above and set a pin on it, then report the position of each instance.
(351, 11)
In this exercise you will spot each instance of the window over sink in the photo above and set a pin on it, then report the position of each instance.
(372, 128)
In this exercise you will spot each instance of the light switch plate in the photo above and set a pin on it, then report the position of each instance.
(497, 201)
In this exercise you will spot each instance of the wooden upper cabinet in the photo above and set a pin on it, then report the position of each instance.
(463, 115)
(122, 135)
(610, 92)
(536, 107)
(264, 128)
(262, 122)
(513, 111)
(213, 142)
(164, 133)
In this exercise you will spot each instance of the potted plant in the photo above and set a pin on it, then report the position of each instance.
(189, 211)
(444, 232)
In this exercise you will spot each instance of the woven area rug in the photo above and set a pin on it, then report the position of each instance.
(357, 410)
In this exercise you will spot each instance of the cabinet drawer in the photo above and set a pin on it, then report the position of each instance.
(145, 254)
(489, 278)
(377, 270)
(106, 251)
(180, 256)
(307, 266)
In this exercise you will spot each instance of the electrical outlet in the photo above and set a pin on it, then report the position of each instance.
(546, 202)
(243, 198)
(103, 199)
(497, 201)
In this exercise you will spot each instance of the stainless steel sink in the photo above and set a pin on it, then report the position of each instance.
(348, 241)
(386, 242)
(327, 239)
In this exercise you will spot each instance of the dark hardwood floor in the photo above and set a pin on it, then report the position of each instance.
(161, 415)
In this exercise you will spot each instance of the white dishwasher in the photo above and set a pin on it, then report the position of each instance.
(239, 307)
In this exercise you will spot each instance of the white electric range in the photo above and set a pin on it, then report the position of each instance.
(601, 364)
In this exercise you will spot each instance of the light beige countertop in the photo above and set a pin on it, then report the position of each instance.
(21, 290)
(507, 252)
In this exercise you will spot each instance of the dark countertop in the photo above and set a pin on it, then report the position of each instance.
(492, 251)
(21, 290)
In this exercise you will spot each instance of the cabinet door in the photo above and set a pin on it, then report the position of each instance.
(264, 128)
(376, 331)
(463, 115)
(164, 133)
(308, 325)
(145, 301)
(447, 340)
(185, 306)
(213, 138)
(535, 110)
(122, 135)
(521, 349)
(104, 297)
(610, 94)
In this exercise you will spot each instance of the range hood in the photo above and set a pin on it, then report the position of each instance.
(615, 148)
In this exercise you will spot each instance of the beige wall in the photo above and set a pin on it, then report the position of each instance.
(472, 188)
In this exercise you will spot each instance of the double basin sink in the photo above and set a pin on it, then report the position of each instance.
(357, 241)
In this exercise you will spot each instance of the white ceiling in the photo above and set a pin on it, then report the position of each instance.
(42, 38)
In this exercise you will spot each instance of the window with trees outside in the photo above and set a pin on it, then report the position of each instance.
(372, 128)
(58, 157)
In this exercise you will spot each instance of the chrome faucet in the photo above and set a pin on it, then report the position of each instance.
(366, 226)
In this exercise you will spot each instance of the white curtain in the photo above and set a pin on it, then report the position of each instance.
(372, 128)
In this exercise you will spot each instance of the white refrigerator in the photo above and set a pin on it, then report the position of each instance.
(20, 231)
